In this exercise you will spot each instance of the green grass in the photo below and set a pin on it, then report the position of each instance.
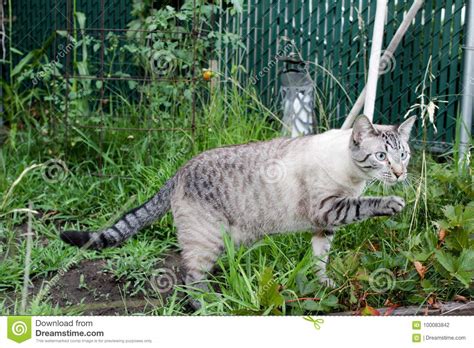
(266, 278)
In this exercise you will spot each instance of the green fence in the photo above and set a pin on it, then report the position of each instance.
(336, 35)
(36, 20)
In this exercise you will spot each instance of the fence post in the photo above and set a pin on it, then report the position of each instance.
(468, 86)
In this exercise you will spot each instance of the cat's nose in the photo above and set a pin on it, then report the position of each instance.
(398, 174)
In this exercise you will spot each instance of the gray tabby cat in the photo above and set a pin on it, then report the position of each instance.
(277, 186)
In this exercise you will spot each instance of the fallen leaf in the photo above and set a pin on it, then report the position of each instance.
(391, 309)
(367, 310)
(374, 247)
(433, 303)
(420, 269)
(441, 234)
(460, 298)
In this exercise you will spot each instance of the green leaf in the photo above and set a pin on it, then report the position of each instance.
(422, 256)
(446, 260)
(238, 5)
(466, 260)
(427, 285)
(62, 33)
(268, 290)
(464, 277)
(81, 19)
(23, 62)
(457, 239)
(330, 301)
(301, 280)
(14, 50)
(449, 212)
(326, 304)
(82, 68)
(369, 311)
(314, 306)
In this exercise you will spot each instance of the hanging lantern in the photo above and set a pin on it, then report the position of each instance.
(297, 94)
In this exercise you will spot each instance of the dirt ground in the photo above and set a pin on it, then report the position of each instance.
(92, 291)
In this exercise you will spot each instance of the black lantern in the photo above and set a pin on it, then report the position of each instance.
(297, 94)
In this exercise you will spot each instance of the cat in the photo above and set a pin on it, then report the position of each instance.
(282, 185)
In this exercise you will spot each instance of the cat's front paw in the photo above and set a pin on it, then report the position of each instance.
(392, 205)
(326, 281)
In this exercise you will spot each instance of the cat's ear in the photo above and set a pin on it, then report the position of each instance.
(405, 128)
(361, 129)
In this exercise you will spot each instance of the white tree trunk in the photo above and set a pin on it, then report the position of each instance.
(374, 62)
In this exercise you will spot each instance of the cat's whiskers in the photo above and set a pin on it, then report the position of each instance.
(368, 184)
(411, 182)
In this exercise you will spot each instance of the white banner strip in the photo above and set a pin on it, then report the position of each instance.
(236, 332)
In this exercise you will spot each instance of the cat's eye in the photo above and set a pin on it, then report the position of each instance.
(381, 156)
(403, 155)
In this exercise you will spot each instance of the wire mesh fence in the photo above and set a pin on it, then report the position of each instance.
(334, 37)
(110, 74)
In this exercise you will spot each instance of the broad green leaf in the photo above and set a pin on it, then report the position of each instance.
(330, 301)
(81, 19)
(268, 290)
(314, 306)
(83, 68)
(422, 256)
(464, 277)
(449, 212)
(466, 260)
(427, 285)
(311, 287)
(457, 239)
(446, 260)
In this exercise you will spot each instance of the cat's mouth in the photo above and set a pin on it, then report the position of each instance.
(390, 179)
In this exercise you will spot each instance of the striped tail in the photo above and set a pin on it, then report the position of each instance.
(127, 225)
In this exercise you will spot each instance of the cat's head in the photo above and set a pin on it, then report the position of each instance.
(381, 152)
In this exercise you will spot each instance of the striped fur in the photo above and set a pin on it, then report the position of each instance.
(278, 186)
(127, 225)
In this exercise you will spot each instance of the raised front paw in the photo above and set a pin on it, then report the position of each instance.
(391, 205)
(326, 281)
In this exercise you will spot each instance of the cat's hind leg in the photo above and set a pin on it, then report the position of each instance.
(201, 244)
(321, 243)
